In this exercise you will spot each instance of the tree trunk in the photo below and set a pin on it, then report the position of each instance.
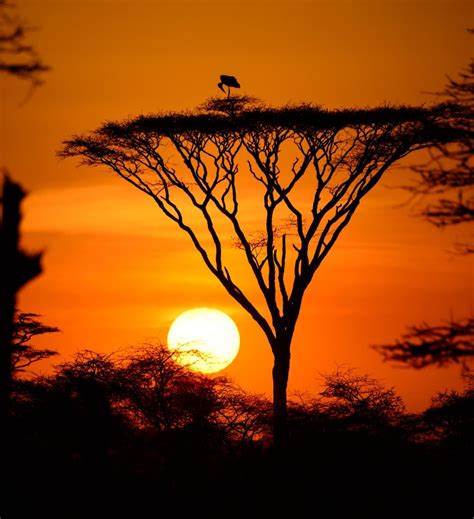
(9, 248)
(17, 269)
(281, 368)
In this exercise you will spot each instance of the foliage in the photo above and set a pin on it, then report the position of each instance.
(448, 175)
(17, 57)
(150, 390)
(349, 402)
(426, 345)
(351, 397)
(88, 426)
(246, 114)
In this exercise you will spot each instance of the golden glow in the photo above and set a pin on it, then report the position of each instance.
(208, 340)
(117, 272)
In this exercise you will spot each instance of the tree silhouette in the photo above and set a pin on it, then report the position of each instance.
(449, 172)
(17, 57)
(27, 326)
(359, 399)
(451, 415)
(151, 389)
(77, 428)
(427, 345)
(161, 393)
(18, 268)
(311, 167)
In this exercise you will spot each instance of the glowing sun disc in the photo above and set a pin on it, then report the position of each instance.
(207, 339)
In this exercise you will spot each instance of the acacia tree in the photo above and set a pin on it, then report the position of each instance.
(359, 400)
(311, 168)
(449, 176)
(26, 326)
(449, 172)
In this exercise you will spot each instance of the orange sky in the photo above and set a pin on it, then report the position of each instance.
(117, 273)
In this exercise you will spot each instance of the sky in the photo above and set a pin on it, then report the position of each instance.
(117, 273)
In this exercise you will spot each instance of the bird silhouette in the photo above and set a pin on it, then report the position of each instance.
(228, 81)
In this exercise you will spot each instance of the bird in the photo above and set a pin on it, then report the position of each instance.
(228, 81)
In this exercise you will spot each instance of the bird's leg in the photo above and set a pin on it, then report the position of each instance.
(228, 92)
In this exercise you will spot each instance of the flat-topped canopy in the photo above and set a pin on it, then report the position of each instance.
(221, 115)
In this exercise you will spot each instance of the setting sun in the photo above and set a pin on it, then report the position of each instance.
(208, 340)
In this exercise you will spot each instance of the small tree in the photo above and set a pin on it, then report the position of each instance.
(162, 393)
(312, 167)
(24, 354)
(359, 399)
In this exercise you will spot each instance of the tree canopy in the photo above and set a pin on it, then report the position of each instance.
(347, 150)
(246, 114)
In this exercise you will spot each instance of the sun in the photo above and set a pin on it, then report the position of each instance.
(207, 340)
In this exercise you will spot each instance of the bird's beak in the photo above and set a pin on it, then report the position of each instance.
(221, 87)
